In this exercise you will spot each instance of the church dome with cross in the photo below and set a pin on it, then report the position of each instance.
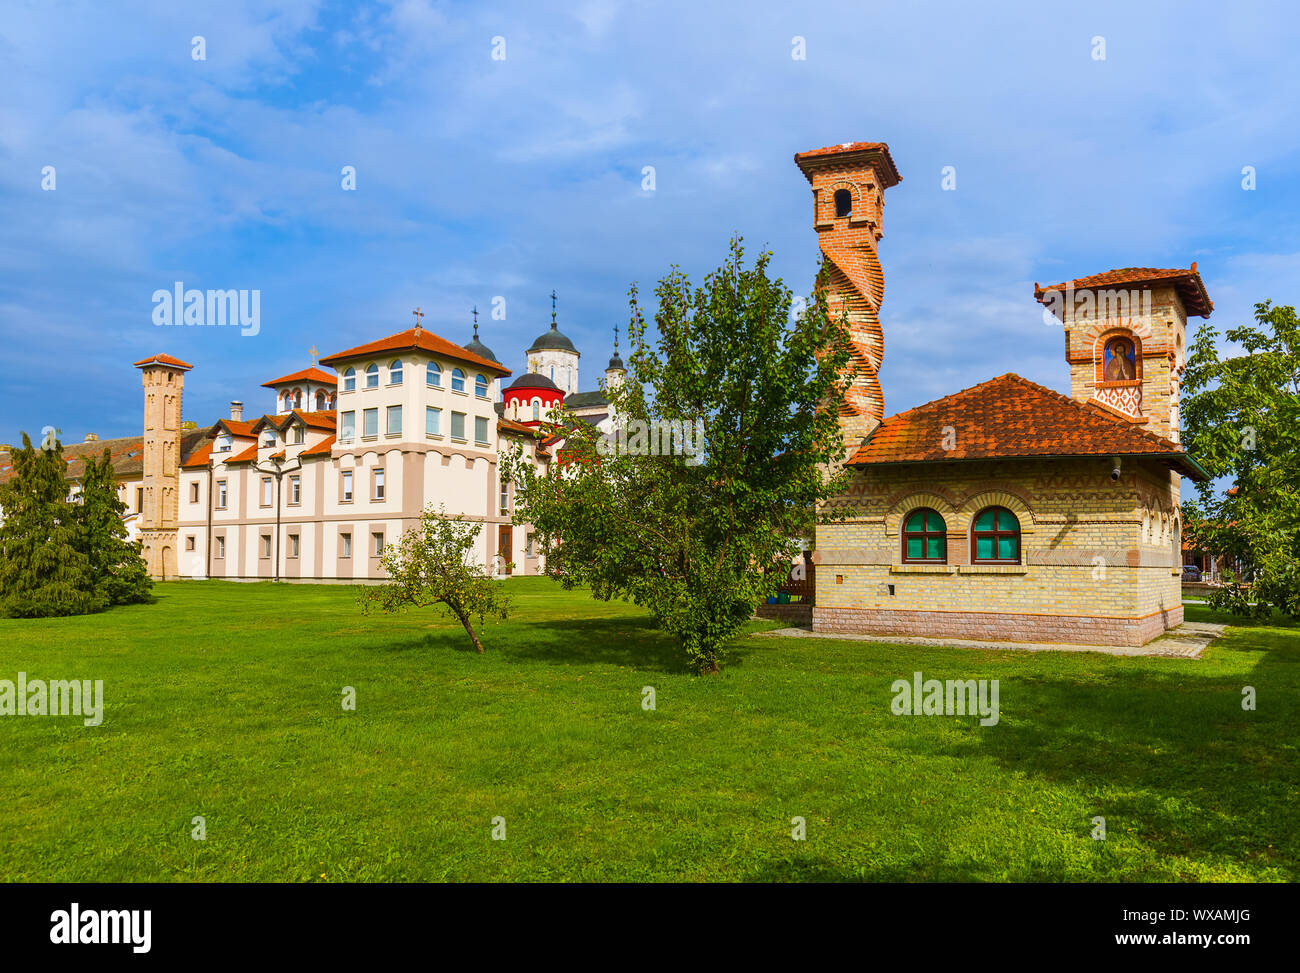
(553, 355)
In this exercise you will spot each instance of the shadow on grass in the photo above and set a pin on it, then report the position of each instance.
(1174, 760)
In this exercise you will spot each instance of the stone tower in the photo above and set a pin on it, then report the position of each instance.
(848, 188)
(1126, 339)
(163, 378)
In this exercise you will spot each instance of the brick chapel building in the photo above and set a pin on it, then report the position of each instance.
(1006, 511)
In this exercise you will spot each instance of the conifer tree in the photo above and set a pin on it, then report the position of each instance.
(121, 574)
(44, 570)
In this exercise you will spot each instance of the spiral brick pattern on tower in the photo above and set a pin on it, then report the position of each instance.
(848, 184)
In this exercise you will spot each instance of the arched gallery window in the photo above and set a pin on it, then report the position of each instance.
(995, 537)
(349, 379)
(433, 375)
(843, 203)
(925, 538)
(372, 376)
(457, 380)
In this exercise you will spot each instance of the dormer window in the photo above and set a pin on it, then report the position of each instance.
(269, 438)
(299, 434)
(843, 203)
(223, 444)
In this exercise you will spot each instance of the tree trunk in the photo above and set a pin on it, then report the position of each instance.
(464, 620)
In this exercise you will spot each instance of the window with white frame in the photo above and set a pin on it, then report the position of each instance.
(347, 426)
(345, 540)
(221, 546)
(433, 375)
(394, 427)
(480, 430)
(377, 542)
(370, 422)
(457, 380)
(295, 489)
(481, 386)
(221, 494)
(395, 372)
(349, 379)
(432, 421)
(379, 484)
(347, 486)
(267, 494)
(458, 425)
(293, 545)
(372, 376)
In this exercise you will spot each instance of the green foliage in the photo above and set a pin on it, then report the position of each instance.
(44, 570)
(700, 540)
(1241, 419)
(120, 573)
(432, 564)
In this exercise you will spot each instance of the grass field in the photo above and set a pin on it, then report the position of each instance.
(223, 700)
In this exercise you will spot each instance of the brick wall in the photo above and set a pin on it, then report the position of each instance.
(1099, 557)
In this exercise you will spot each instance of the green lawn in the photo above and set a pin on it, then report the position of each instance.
(223, 700)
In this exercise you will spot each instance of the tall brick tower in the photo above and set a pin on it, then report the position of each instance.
(848, 188)
(163, 378)
(1126, 339)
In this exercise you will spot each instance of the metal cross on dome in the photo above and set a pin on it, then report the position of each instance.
(475, 320)
(552, 307)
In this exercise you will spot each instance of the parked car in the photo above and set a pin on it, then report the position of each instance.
(1191, 572)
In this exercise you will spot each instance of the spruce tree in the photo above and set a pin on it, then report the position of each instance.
(120, 573)
(44, 570)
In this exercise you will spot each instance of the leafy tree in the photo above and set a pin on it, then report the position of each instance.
(121, 574)
(700, 539)
(44, 570)
(432, 564)
(1242, 421)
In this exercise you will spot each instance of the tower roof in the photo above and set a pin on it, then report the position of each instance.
(531, 380)
(552, 339)
(163, 360)
(1187, 283)
(312, 374)
(476, 346)
(848, 154)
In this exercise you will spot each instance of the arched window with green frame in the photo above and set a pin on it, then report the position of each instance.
(925, 538)
(995, 537)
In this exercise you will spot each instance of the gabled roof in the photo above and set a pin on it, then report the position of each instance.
(584, 400)
(1188, 284)
(324, 419)
(409, 340)
(312, 374)
(236, 427)
(199, 458)
(1007, 417)
(163, 360)
(247, 456)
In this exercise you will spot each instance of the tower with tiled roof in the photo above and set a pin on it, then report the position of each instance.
(1126, 339)
(848, 188)
(163, 378)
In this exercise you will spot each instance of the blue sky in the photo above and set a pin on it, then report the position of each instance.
(479, 178)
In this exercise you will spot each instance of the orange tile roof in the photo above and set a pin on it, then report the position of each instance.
(199, 457)
(324, 419)
(1010, 416)
(1188, 283)
(162, 360)
(247, 456)
(509, 425)
(408, 341)
(322, 448)
(236, 427)
(312, 374)
(818, 158)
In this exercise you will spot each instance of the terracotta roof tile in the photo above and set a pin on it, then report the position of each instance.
(322, 448)
(408, 341)
(1187, 282)
(1010, 416)
(818, 158)
(247, 456)
(162, 360)
(509, 425)
(312, 374)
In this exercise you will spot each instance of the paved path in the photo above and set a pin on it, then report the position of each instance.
(1187, 641)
